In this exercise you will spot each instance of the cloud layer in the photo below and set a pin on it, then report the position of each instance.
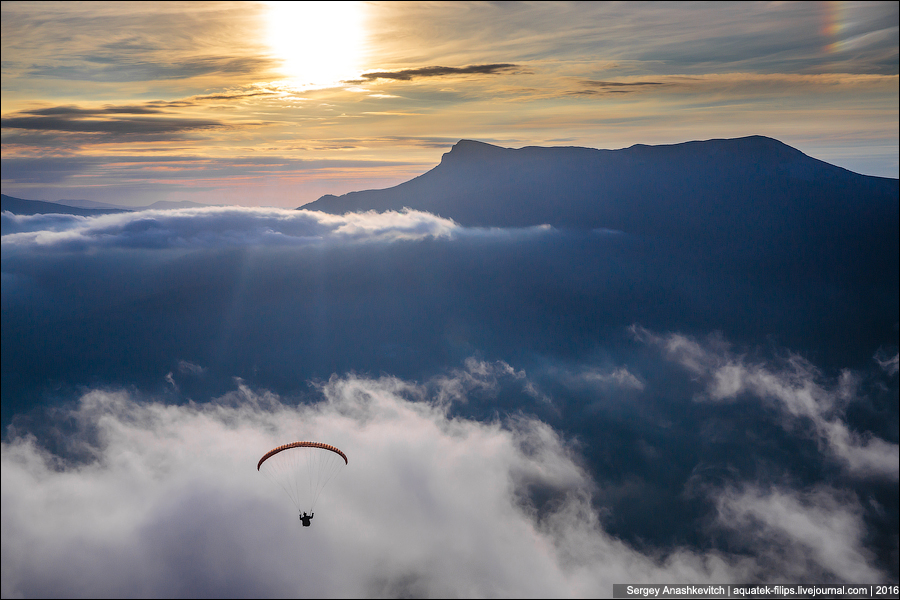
(527, 412)
(164, 500)
(796, 392)
(222, 227)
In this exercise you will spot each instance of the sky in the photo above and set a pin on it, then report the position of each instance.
(261, 104)
(533, 411)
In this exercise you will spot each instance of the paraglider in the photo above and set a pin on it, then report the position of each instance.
(302, 469)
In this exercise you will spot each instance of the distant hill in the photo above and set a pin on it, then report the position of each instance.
(92, 204)
(169, 205)
(19, 206)
(744, 192)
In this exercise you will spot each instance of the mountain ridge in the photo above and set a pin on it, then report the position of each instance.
(21, 206)
(739, 182)
(85, 208)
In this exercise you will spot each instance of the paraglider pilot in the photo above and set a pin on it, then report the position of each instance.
(305, 519)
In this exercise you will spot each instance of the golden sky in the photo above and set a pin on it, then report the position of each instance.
(276, 104)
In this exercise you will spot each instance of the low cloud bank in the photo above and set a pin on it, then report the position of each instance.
(216, 227)
(148, 499)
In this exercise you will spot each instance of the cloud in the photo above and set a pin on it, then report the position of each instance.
(149, 499)
(409, 74)
(111, 68)
(820, 529)
(117, 43)
(189, 367)
(393, 141)
(215, 227)
(681, 89)
(599, 378)
(49, 169)
(426, 346)
(615, 87)
(134, 125)
(231, 96)
(615, 84)
(890, 364)
(665, 38)
(478, 375)
(71, 110)
(795, 388)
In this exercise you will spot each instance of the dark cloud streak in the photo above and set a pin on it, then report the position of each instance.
(135, 125)
(616, 84)
(599, 88)
(106, 110)
(409, 74)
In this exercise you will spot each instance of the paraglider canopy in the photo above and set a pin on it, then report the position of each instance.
(275, 451)
(302, 469)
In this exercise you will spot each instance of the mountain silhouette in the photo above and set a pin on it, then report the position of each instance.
(86, 208)
(20, 206)
(746, 191)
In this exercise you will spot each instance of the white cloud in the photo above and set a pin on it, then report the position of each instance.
(796, 389)
(166, 501)
(185, 366)
(216, 227)
(890, 364)
(477, 374)
(602, 379)
(821, 529)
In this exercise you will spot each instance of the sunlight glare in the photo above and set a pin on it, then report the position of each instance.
(320, 43)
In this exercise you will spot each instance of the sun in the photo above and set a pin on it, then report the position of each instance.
(319, 43)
